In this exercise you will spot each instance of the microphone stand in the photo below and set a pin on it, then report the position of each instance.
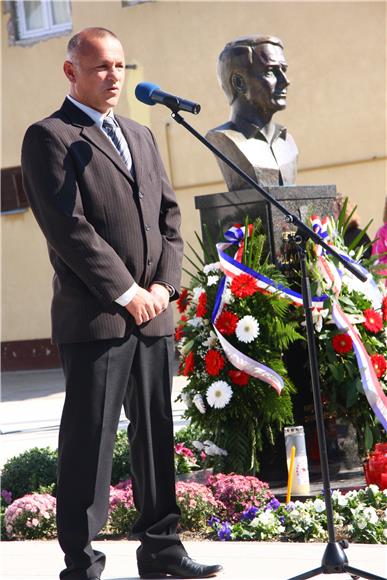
(334, 560)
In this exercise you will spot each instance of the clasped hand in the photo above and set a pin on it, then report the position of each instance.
(147, 304)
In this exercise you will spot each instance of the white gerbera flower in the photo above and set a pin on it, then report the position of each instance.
(219, 394)
(212, 280)
(214, 267)
(199, 403)
(247, 329)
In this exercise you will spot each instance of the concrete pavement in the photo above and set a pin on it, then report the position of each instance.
(41, 560)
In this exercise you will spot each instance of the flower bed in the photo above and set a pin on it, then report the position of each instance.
(228, 507)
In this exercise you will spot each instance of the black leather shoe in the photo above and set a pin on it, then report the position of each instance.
(183, 568)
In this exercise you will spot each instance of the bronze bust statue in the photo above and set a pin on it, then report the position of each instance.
(252, 72)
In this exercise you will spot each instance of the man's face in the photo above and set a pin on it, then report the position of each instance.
(97, 73)
(266, 79)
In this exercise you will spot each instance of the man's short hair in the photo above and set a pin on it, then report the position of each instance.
(238, 55)
(77, 41)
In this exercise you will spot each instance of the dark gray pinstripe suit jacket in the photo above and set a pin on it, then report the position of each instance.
(104, 229)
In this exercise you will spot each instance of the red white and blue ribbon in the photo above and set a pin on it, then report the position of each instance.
(371, 386)
(233, 267)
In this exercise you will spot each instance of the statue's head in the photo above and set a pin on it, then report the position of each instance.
(252, 70)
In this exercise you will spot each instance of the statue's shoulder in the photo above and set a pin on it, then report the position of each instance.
(225, 132)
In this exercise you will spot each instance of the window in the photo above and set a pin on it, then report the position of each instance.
(13, 198)
(39, 19)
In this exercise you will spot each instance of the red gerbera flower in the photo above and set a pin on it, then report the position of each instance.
(183, 300)
(379, 363)
(342, 343)
(384, 308)
(227, 322)
(243, 285)
(189, 365)
(179, 332)
(373, 321)
(201, 309)
(214, 362)
(239, 378)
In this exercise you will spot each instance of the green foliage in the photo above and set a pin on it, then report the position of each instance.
(30, 471)
(121, 458)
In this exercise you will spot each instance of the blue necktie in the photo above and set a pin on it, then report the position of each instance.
(114, 132)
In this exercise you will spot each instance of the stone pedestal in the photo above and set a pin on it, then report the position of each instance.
(219, 211)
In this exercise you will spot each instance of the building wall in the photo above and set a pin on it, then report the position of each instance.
(336, 109)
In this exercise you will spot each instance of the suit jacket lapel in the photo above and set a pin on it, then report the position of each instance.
(94, 135)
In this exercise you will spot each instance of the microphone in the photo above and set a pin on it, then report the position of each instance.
(150, 94)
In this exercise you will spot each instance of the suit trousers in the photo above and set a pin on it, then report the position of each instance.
(101, 377)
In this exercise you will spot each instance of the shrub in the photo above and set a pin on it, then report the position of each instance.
(121, 459)
(122, 512)
(31, 517)
(197, 504)
(29, 471)
(236, 493)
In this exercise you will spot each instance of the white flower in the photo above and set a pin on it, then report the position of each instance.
(374, 488)
(199, 403)
(186, 399)
(195, 322)
(212, 280)
(214, 267)
(219, 394)
(319, 505)
(228, 296)
(211, 340)
(247, 329)
(371, 515)
(196, 293)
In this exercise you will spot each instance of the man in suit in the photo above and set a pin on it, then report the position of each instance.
(100, 194)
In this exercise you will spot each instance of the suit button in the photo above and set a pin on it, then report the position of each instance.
(147, 228)
(140, 195)
(149, 261)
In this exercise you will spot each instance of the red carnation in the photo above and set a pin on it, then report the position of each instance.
(373, 321)
(243, 285)
(201, 309)
(239, 378)
(227, 322)
(183, 300)
(384, 309)
(379, 363)
(214, 362)
(189, 365)
(342, 343)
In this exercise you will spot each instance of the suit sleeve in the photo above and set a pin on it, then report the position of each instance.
(169, 266)
(50, 182)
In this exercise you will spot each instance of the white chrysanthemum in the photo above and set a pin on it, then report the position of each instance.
(196, 293)
(214, 267)
(212, 280)
(247, 329)
(219, 394)
(228, 296)
(199, 403)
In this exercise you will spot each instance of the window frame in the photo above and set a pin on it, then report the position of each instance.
(23, 35)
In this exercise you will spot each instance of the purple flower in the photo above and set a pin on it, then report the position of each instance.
(225, 531)
(273, 504)
(250, 513)
(6, 495)
(282, 520)
(290, 506)
(213, 521)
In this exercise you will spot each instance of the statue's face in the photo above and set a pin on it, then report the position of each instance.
(266, 80)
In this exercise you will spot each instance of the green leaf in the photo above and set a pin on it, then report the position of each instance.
(352, 394)
(368, 438)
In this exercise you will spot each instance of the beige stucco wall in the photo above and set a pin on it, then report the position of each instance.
(336, 109)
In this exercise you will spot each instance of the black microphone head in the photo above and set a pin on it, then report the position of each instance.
(144, 92)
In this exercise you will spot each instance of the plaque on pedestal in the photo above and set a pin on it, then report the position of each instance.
(219, 211)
